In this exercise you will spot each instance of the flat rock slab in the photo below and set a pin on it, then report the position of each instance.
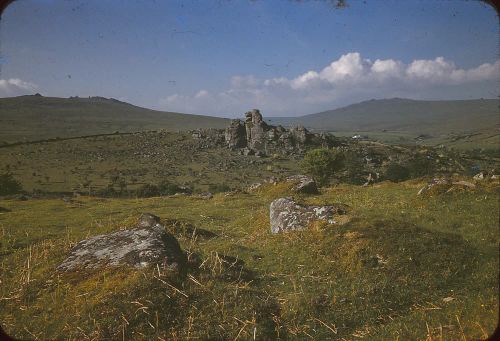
(287, 215)
(138, 247)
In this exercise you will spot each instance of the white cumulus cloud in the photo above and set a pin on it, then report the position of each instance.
(348, 79)
(15, 87)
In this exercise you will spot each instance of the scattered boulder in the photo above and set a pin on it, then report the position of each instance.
(254, 186)
(369, 180)
(272, 180)
(286, 215)
(206, 195)
(247, 151)
(436, 185)
(148, 244)
(260, 153)
(147, 220)
(480, 176)
(196, 134)
(303, 184)
(444, 185)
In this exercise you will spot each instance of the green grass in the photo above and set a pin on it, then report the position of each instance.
(487, 138)
(404, 115)
(388, 274)
(91, 164)
(29, 118)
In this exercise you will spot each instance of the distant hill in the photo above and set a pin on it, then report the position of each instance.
(405, 115)
(37, 117)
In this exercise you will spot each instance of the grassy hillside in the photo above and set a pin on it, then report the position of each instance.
(36, 117)
(465, 124)
(403, 268)
(128, 162)
(397, 114)
(91, 164)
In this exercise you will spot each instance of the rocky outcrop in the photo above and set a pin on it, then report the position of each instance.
(256, 130)
(235, 135)
(286, 215)
(300, 136)
(255, 137)
(143, 246)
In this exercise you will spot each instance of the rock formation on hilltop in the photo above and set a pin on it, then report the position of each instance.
(257, 137)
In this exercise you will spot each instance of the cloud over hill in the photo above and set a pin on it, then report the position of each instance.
(348, 79)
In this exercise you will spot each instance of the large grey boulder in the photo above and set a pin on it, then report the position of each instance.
(286, 215)
(303, 184)
(146, 245)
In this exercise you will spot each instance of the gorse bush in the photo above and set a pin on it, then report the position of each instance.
(9, 185)
(355, 168)
(396, 173)
(165, 187)
(322, 163)
(420, 166)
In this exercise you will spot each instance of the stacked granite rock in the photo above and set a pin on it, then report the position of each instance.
(256, 137)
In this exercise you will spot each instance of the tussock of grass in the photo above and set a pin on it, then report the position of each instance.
(401, 267)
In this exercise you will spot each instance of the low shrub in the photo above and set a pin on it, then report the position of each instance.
(9, 185)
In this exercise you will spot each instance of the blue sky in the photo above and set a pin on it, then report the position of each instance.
(226, 57)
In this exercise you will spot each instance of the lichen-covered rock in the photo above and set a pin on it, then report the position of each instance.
(138, 247)
(256, 130)
(287, 215)
(259, 138)
(235, 134)
(300, 135)
(254, 186)
(303, 184)
(480, 176)
(206, 195)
